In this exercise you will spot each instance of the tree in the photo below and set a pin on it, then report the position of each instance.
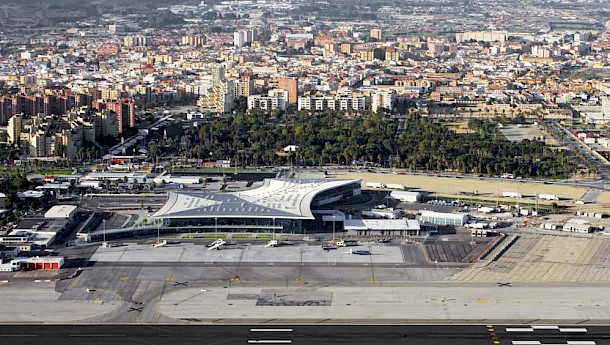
(59, 149)
(8, 200)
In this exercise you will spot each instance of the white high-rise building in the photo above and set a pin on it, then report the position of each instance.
(319, 103)
(606, 106)
(220, 98)
(218, 74)
(267, 103)
(382, 100)
(14, 128)
(239, 38)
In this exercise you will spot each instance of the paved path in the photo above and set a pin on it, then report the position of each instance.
(591, 196)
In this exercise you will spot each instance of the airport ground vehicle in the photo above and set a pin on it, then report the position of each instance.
(346, 243)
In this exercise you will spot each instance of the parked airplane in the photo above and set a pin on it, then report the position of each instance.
(272, 243)
(216, 244)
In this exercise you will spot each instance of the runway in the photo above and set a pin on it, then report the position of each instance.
(301, 334)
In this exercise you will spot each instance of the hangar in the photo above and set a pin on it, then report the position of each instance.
(278, 205)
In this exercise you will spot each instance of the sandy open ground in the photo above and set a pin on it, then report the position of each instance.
(452, 185)
(604, 198)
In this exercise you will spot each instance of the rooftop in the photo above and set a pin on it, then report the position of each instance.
(60, 211)
(381, 224)
(276, 198)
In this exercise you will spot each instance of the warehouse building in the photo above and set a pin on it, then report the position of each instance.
(33, 263)
(61, 212)
(37, 231)
(578, 225)
(441, 218)
(382, 227)
(404, 196)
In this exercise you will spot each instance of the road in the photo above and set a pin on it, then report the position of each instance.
(576, 145)
(301, 334)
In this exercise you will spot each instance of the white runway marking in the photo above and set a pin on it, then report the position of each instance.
(573, 330)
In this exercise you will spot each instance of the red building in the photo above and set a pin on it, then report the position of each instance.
(125, 110)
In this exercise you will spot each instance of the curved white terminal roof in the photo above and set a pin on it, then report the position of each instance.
(276, 198)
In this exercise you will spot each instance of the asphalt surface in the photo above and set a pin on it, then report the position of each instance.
(274, 264)
(301, 334)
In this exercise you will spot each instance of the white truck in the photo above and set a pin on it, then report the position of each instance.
(485, 209)
(477, 225)
(375, 185)
(395, 186)
(346, 243)
(512, 195)
(548, 197)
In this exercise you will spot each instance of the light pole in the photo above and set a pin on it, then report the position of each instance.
(104, 229)
(273, 229)
(216, 227)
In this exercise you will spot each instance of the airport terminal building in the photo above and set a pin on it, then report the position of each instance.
(283, 205)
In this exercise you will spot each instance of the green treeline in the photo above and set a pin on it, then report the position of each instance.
(416, 143)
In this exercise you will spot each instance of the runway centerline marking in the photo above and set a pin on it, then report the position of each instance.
(545, 327)
(97, 335)
(570, 342)
(271, 329)
(281, 341)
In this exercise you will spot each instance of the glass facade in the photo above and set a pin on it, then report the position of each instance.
(442, 220)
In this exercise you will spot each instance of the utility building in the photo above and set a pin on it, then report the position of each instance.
(439, 218)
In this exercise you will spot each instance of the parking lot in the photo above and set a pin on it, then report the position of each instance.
(522, 132)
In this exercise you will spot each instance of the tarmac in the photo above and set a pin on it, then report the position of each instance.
(417, 302)
(546, 258)
(188, 252)
(37, 302)
(541, 278)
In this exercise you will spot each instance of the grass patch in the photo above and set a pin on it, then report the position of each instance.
(55, 172)
(458, 127)
(206, 236)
